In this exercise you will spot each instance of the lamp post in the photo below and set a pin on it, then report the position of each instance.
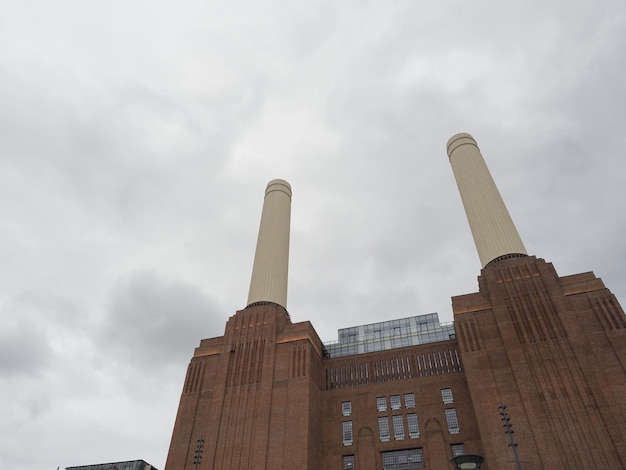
(467, 462)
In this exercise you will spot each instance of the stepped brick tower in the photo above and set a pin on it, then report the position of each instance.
(553, 349)
(249, 394)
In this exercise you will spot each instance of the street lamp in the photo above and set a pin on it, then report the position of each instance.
(467, 462)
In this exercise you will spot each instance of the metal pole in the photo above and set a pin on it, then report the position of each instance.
(508, 429)
(198, 457)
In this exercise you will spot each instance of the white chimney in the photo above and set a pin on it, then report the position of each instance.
(493, 230)
(271, 260)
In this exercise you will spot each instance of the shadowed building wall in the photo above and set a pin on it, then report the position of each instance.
(253, 395)
(553, 350)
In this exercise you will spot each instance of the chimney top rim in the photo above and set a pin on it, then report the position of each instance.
(457, 140)
(278, 185)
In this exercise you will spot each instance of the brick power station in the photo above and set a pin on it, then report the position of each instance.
(530, 352)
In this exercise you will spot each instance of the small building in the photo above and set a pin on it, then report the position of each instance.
(128, 465)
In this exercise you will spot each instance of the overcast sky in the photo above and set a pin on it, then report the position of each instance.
(137, 138)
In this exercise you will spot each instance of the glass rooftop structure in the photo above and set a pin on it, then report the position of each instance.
(128, 465)
(390, 334)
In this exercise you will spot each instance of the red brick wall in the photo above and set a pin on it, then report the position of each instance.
(553, 349)
(251, 395)
(424, 382)
(543, 346)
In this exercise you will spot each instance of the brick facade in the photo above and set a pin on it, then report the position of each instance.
(554, 350)
(264, 396)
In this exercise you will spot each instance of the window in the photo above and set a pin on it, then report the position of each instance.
(446, 396)
(398, 427)
(453, 421)
(457, 449)
(381, 404)
(403, 459)
(348, 462)
(346, 408)
(409, 400)
(347, 433)
(414, 429)
(383, 429)
(395, 402)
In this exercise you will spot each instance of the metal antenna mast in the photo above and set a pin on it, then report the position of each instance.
(198, 457)
(508, 429)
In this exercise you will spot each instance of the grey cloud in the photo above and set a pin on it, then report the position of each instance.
(140, 141)
(154, 321)
(25, 347)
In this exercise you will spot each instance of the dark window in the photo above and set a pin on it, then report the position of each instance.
(395, 402)
(457, 449)
(414, 429)
(381, 404)
(409, 400)
(446, 396)
(453, 421)
(403, 459)
(398, 427)
(383, 429)
(347, 433)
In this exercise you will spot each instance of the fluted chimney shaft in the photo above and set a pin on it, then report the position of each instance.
(271, 260)
(493, 230)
